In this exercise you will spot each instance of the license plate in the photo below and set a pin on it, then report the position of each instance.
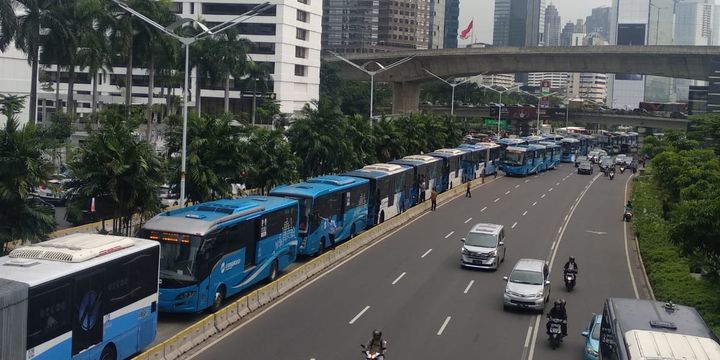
(479, 262)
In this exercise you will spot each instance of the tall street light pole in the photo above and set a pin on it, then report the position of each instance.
(187, 41)
(510, 89)
(539, 98)
(372, 73)
(453, 85)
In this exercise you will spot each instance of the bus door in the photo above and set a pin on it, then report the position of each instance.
(342, 210)
(88, 300)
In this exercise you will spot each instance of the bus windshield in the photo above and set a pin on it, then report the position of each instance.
(177, 255)
(305, 209)
(569, 147)
(513, 158)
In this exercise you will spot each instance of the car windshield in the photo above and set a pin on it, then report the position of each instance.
(481, 240)
(526, 277)
(513, 158)
(585, 164)
(581, 159)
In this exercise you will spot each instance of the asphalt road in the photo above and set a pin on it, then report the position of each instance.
(412, 287)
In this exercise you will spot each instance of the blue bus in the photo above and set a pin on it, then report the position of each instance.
(533, 139)
(492, 158)
(570, 149)
(518, 160)
(391, 186)
(553, 152)
(80, 296)
(216, 249)
(633, 138)
(341, 199)
(538, 154)
(427, 174)
(505, 142)
(552, 137)
(456, 163)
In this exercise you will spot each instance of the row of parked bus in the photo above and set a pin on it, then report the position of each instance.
(214, 250)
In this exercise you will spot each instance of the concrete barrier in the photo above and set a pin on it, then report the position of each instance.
(267, 293)
(253, 302)
(232, 313)
(221, 317)
(178, 344)
(156, 352)
(203, 329)
(242, 307)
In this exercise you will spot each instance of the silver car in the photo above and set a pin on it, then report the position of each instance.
(527, 286)
(484, 246)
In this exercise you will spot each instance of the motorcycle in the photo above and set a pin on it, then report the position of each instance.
(622, 169)
(611, 174)
(627, 215)
(570, 276)
(369, 355)
(555, 336)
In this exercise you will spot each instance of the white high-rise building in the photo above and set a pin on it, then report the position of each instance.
(588, 86)
(557, 80)
(503, 80)
(693, 26)
(287, 41)
(15, 79)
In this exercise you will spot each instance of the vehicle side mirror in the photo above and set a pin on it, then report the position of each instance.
(463, 239)
(585, 333)
(547, 282)
(502, 243)
(505, 278)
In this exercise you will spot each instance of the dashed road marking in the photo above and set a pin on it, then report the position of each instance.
(496, 200)
(467, 288)
(398, 278)
(517, 186)
(468, 220)
(449, 234)
(359, 315)
(507, 192)
(543, 196)
(483, 209)
(525, 213)
(535, 203)
(514, 225)
(425, 254)
(442, 328)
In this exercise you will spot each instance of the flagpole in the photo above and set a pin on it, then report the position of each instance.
(473, 41)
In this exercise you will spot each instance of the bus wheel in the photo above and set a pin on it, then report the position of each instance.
(109, 353)
(218, 300)
(352, 231)
(273, 271)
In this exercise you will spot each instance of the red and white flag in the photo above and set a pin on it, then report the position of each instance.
(464, 34)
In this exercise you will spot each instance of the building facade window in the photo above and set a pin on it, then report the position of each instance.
(306, 2)
(300, 70)
(301, 34)
(233, 9)
(300, 52)
(302, 16)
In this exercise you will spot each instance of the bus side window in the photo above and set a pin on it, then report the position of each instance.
(49, 312)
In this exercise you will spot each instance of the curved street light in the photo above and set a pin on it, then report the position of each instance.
(500, 104)
(452, 85)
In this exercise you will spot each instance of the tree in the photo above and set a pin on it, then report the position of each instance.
(22, 167)
(705, 129)
(116, 165)
(214, 156)
(695, 226)
(95, 55)
(258, 77)
(686, 175)
(229, 53)
(389, 141)
(272, 160)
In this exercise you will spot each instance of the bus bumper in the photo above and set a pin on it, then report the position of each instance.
(183, 300)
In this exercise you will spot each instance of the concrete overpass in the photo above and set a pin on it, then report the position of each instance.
(686, 62)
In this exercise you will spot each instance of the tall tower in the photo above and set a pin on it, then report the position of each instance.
(501, 25)
(452, 13)
(552, 26)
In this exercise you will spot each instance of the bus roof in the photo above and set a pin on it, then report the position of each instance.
(549, 144)
(414, 160)
(647, 345)
(449, 152)
(634, 314)
(516, 149)
(510, 141)
(38, 263)
(319, 186)
(569, 140)
(490, 145)
(377, 171)
(536, 147)
(202, 218)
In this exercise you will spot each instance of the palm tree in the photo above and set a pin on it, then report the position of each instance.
(34, 15)
(229, 53)
(257, 76)
(94, 52)
(272, 160)
(61, 43)
(8, 24)
(389, 144)
(121, 36)
(22, 167)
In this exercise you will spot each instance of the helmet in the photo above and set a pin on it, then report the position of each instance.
(377, 334)
(562, 302)
(558, 302)
(572, 259)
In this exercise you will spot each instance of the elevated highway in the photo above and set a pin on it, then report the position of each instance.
(687, 62)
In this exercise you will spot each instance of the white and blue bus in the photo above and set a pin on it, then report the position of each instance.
(570, 148)
(216, 249)
(533, 139)
(539, 157)
(427, 173)
(492, 158)
(455, 163)
(81, 296)
(340, 199)
(553, 151)
(518, 160)
(505, 142)
(390, 188)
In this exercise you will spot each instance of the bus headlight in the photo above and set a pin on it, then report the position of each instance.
(185, 295)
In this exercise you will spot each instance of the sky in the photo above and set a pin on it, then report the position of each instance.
(482, 11)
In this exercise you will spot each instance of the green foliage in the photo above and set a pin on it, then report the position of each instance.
(688, 174)
(273, 162)
(667, 269)
(114, 164)
(60, 127)
(22, 167)
(353, 97)
(214, 155)
(705, 129)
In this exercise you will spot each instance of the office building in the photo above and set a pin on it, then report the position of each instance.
(404, 24)
(452, 15)
(566, 34)
(693, 26)
(501, 24)
(587, 86)
(629, 26)
(350, 26)
(558, 81)
(552, 26)
(437, 24)
(599, 22)
(497, 80)
(15, 79)
(518, 23)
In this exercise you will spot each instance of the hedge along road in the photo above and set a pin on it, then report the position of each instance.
(411, 286)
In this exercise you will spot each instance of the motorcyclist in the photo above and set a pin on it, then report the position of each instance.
(558, 312)
(571, 265)
(377, 344)
(628, 206)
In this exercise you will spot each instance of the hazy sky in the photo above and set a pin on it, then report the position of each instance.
(483, 10)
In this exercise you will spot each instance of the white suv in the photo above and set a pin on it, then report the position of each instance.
(484, 247)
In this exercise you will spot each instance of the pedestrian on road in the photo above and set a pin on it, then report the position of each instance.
(433, 199)
(467, 190)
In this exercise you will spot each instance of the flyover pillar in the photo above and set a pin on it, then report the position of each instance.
(406, 97)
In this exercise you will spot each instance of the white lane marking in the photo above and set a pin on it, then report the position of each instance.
(398, 278)
(442, 328)
(527, 181)
(270, 306)
(595, 232)
(551, 189)
(514, 225)
(450, 234)
(517, 186)
(543, 196)
(627, 253)
(507, 192)
(535, 203)
(496, 200)
(557, 184)
(560, 229)
(467, 288)
(534, 337)
(359, 315)
(483, 209)
(425, 254)
(552, 246)
(527, 337)
(468, 220)
(565, 178)
(525, 213)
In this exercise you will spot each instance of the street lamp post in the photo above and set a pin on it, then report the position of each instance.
(372, 74)
(510, 89)
(539, 98)
(187, 41)
(453, 85)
